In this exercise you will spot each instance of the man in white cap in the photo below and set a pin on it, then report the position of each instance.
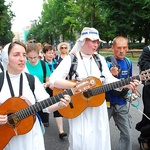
(90, 129)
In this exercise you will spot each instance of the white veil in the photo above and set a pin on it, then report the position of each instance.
(4, 54)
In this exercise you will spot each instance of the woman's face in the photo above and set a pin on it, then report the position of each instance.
(90, 46)
(63, 49)
(49, 55)
(33, 57)
(17, 59)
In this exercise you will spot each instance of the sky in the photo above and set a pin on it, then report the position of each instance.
(25, 11)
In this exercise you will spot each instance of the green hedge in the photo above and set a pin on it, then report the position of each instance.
(136, 45)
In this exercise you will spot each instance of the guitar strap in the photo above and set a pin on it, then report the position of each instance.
(10, 85)
(30, 78)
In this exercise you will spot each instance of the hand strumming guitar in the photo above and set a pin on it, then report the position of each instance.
(3, 119)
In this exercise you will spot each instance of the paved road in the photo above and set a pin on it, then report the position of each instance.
(52, 141)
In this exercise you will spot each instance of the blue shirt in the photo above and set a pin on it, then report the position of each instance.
(125, 66)
(52, 65)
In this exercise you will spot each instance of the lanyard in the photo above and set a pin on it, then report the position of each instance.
(85, 65)
(10, 85)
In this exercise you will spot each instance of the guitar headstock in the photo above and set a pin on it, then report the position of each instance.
(145, 75)
(84, 85)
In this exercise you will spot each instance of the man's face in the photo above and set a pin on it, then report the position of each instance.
(120, 48)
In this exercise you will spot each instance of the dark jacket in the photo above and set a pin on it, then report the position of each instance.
(145, 58)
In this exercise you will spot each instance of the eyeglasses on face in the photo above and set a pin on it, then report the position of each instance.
(63, 47)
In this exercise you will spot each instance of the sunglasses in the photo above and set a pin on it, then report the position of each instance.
(63, 47)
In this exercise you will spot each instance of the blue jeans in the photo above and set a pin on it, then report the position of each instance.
(122, 120)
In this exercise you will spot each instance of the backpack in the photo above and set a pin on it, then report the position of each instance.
(113, 61)
(48, 90)
(74, 63)
(44, 69)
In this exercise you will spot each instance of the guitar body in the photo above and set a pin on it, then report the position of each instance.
(7, 131)
(80, 102)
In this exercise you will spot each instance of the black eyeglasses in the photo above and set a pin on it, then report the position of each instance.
(63, 47)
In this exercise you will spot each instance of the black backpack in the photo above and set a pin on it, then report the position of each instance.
(44, 69)
(74, 63)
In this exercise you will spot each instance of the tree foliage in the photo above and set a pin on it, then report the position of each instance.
(64, 19)
(129, 18)
(6, 16)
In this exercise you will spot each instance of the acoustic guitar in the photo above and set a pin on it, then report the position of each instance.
(21, 116)
(95, 97)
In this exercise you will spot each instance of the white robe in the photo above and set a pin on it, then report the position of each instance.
(33, 140)
(89, 130)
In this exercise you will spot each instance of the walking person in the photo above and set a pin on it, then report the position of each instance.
(17, 85)
(90, 129)
(121, 67)
(144, 125)
(38, 68)
(50, 59)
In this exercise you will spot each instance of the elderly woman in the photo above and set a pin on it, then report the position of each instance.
(16, 84)
(63, 49)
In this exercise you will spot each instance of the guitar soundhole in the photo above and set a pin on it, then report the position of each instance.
(13, 120)
(87, 94)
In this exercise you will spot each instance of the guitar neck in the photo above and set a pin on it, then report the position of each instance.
(110, 86)
(31, 110)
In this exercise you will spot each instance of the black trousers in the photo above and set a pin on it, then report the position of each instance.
(144, 125)
(44, 116)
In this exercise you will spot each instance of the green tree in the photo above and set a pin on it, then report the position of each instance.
(6, 15)
(129, 18)
(58, 18)
(66, 18)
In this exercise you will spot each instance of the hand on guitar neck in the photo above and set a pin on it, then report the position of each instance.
(133, 85)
